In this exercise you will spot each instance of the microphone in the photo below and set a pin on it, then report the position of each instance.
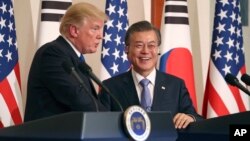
(232, 80)
(70, 69)
(85, 68)
(245, 78)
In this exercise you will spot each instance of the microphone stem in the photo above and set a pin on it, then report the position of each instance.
(95, 79)
(111, 95)
(87, 70)
(70, 69)
(244, 90)
(82, 85)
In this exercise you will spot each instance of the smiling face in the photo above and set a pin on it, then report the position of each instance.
(143, 51)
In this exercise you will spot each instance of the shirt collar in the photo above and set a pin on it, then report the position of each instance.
(151, 77)
(73, 47)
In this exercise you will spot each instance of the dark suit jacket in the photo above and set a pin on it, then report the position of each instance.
(51, 90)
(170, 94)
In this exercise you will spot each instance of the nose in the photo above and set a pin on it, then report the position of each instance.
(145, 48)
(99, 35)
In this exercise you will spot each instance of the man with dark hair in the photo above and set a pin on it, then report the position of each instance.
(144, 85)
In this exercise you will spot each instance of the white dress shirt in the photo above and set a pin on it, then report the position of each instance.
(137, 78)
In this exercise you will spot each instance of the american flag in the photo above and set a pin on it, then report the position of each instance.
(227, 56)
(176, 53)
(113, 57)
(11, 108)
(51, 13)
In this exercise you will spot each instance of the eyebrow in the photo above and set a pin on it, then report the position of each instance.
(96, 26)
(147, 42)
(152, 42)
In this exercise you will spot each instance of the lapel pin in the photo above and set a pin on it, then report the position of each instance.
(163, 88)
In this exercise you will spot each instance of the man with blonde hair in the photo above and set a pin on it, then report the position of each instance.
(51, 90)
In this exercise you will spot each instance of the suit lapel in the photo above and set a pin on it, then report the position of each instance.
(160, 90)
(75, 60)
(130, 93)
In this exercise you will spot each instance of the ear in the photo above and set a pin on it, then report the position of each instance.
(126, 49)
(159, 52)
(73, 31)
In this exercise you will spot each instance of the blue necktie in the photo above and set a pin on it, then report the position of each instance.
(145, 95)
(81, 58)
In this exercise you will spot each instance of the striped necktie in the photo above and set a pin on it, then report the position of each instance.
(145, 95)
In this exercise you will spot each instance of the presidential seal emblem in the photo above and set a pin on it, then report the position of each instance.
(137, 123)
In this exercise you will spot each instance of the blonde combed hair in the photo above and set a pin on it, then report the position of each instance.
(77, 13)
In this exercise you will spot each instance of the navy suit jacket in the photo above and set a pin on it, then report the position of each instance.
(51, 90)
(170, 94)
